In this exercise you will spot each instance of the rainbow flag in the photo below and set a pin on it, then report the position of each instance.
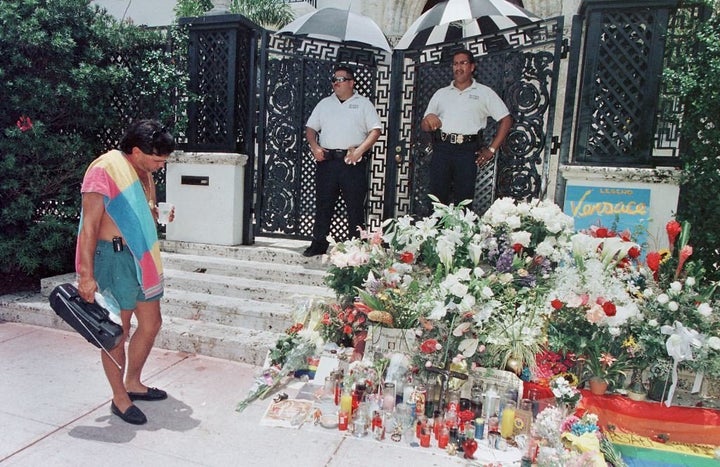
(650, 434)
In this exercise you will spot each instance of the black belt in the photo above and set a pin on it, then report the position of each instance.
(334, 154)
(455, 138)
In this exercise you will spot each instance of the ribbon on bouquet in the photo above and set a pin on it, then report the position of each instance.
(679, 346)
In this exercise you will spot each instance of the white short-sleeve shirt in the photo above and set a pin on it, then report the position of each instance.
(343, 124)
(466, 112)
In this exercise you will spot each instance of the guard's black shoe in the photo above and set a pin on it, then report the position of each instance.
(315, 249)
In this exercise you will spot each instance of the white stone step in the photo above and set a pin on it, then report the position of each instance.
(195, 336)
(227, 311)
(287, 273)
(228, 342)
(277, 251)
(218, 284)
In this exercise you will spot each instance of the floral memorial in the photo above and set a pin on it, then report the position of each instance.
(511, 330)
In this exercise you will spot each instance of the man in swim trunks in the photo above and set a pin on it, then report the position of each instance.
(118, 250)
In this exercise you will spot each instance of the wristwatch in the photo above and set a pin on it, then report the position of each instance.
(491, 149)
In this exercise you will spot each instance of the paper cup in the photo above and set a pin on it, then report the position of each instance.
(164, 210)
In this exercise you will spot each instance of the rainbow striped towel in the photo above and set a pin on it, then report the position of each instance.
(112, 176)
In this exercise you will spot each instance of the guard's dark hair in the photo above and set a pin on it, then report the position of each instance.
(469, 54)
(346, 69)
(150, 136)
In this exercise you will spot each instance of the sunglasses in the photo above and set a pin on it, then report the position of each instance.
(339, 79)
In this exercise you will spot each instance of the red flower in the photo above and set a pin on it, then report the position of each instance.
(326, 319)
(601, 232)
(557, 304)
(407, 257)
(626, 235)
(347, 330)
(634, 252)
(653, 262)
(429, 346)
(517, 247)
(609, 308)
(24, 123)
(362, 308)
(295, 328)
(673, 229)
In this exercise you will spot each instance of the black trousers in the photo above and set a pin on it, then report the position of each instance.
(453, 170)
(334, 178)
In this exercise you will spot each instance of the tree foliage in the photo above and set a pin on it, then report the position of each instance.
(190, 8)
(72, 78)
(268, 13)
(696, 79)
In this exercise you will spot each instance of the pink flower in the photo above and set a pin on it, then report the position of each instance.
(24, 123)
(607, 359)
(685, 253)
(595, 314)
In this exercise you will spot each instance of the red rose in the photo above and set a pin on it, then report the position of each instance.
(601, 232)
(407, 257)
(609, 308)
(634, 252)
(429, 346)
(517, 247)
(326, 318)
(557, 304)
(347, 330)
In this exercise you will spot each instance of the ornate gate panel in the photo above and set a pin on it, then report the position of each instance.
(295, 76)
(525, 76)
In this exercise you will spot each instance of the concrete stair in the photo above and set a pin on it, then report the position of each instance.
(230, 302)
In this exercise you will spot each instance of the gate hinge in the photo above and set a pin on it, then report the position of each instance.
(565, 48)
(555, 145)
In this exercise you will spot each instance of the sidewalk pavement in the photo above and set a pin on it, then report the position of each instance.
(55, 411)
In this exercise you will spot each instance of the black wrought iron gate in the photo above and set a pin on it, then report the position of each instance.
(294, 76)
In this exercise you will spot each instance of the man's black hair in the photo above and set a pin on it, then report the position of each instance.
(469, 54)
(346, 69)
(150, 136)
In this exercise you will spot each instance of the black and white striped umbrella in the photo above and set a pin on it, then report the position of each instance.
(337, 25)
(459, 19)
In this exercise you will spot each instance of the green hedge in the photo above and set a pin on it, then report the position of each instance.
(71, 78)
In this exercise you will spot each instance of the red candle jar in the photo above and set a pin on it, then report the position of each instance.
(444, 438)
(425, 439)
(343, 418)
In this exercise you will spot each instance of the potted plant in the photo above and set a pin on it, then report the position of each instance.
(604, 371)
